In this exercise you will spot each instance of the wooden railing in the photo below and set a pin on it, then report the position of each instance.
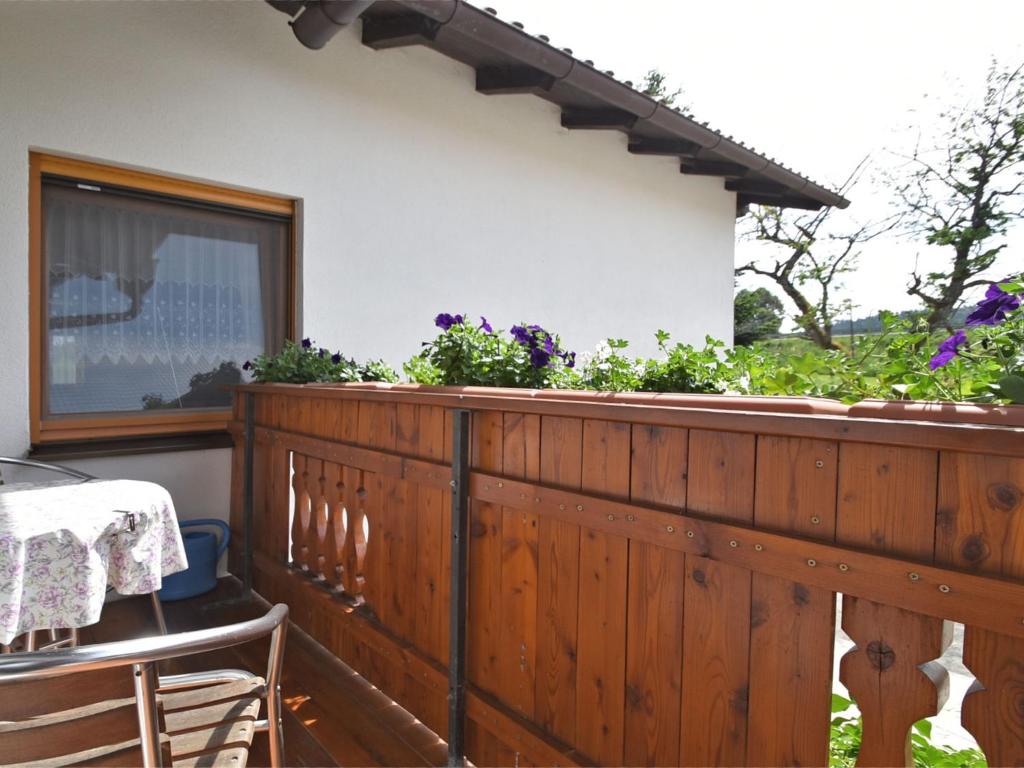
(652, 579)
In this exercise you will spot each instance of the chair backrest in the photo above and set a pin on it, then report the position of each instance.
(93, 704)
(76, 719)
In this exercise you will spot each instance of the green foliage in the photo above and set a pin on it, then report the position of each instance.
(684, 368)
(846, 734)
(982, 363)
(304, 364)
(655, 85)
(466, 355)
(756, 314)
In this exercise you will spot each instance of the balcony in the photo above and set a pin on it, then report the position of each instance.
(650, 580)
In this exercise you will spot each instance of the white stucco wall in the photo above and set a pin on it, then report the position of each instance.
(420, 195)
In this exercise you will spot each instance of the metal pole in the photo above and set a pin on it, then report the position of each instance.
(247, 494)
(457, 612)
(146, 708)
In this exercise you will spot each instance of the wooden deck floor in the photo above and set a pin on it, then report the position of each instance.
(332, 716)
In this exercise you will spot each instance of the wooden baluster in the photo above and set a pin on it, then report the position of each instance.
(334, 535)
(354, 546)
(887, 503)
(316, 533)
(301, 514)
(892, 675)
(981, 528)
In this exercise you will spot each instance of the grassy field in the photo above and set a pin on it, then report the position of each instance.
(797, 345)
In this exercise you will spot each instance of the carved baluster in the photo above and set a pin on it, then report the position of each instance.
(893, 675)
(334, 534)
(354, 551)
(317, 531)
(981, 516)
(886, 501)
(301, 515)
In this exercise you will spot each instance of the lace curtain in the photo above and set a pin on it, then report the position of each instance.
(152, 303)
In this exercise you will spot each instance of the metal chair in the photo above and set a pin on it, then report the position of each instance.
(71, 640)
(106, 704)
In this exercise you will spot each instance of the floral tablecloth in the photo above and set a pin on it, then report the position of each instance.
(62, 543)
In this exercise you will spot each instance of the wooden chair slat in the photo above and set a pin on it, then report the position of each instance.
(30, 699)
(198, 697)
(233, 756)
(246, 708)
(127, 754)
(216, 738)
(69, 732)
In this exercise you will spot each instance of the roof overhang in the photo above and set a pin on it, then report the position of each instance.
(508, 60)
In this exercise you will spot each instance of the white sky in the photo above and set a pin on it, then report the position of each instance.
(817, 84)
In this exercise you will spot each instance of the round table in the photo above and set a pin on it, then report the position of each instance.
(63, 542)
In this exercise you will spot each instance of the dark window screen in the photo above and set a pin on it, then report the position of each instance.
(152, 302)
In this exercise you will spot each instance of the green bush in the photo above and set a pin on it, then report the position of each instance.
(982, 363)
(846, 733)
(305, 364)
(464, 354)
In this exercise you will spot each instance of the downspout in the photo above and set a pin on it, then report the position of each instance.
(321, 20)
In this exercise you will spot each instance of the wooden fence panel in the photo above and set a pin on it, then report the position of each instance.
(657, 577)
(716, 630)
(484, 611)
(887, 503)
(558, 572)
(517, 638)
(981, 528)
(601, 673)
(792, 624)
(603, 631)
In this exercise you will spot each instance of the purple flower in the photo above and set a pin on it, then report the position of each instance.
(444, 321)
(993, 308)
(539, 358)
(307, 343)
(570, 359)
(521, 335)
(948, 350)
(247, 365)
(321, 353)
(485, 326)
(336, 358)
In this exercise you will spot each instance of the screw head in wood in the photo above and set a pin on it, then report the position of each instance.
(579, 507)
(561, 506)
(913, 576)
(536, 499)
(819, 463)
(689, 534)
(815, 519)
(844, 567)
(501, 485)
(758, 547)
(944, 588)
(670, 528)
(733, 543)
(630, 518)
(611, 517)
(812, 562)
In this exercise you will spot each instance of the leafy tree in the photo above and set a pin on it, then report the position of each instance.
(655, 85)
(963, 193)
(812, 253)
(757, 315)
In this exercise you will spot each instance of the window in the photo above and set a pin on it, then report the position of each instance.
(148, 294)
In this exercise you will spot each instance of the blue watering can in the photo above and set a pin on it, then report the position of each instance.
(203, 552)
